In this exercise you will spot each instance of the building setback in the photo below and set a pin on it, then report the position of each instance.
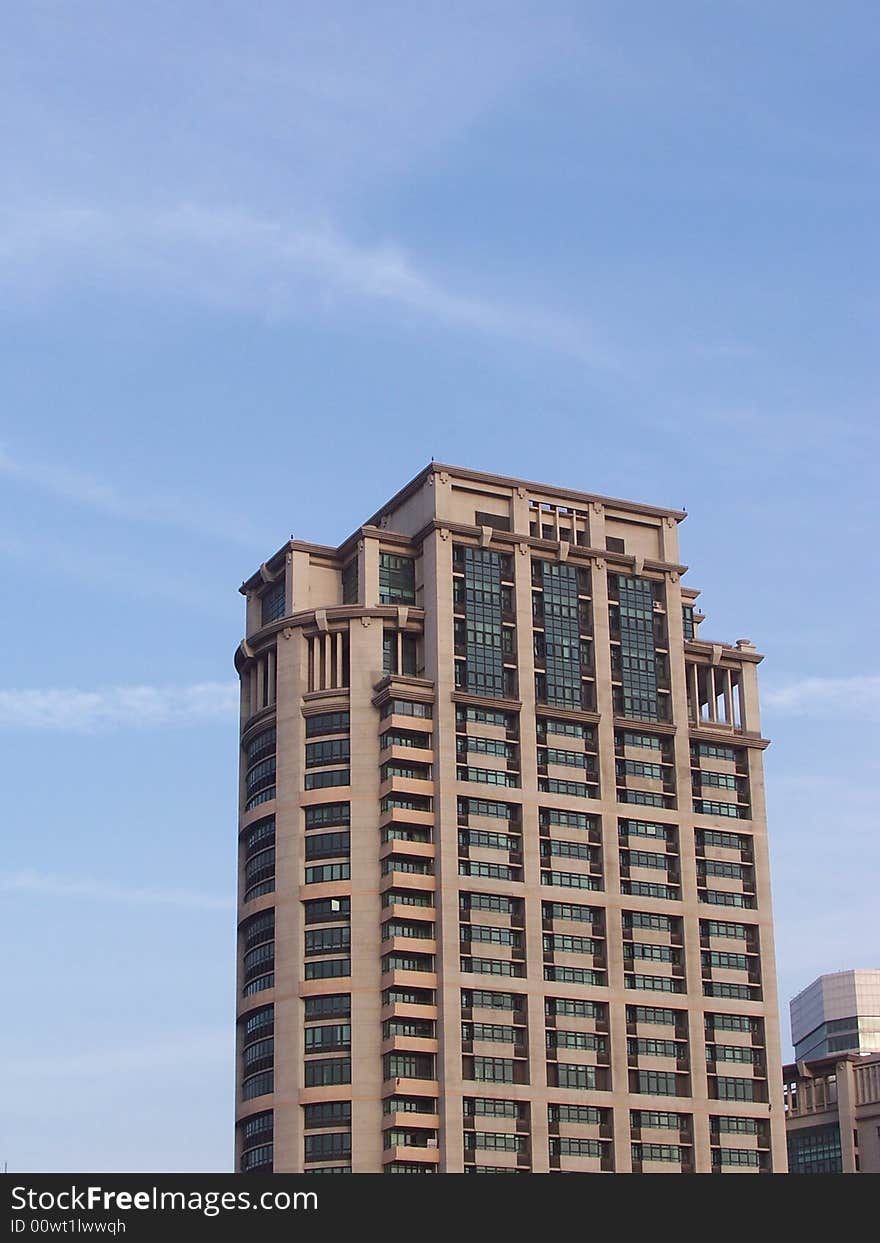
(504, 898)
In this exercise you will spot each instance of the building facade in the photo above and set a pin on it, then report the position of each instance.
(837, 1013)
(832, 1115)
(504, 896)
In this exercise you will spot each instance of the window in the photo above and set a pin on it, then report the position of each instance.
(327, 940)
(328, 1070)
(486, 1107)
(328, 872)
(637, 667)
(729, 1089)
(410, 772)
(572, 789)
(486, 932)
(658, 953)
(569, 880)
(575, 1040)
(272, 602)
(327, 845)
(706, 807)
(815, 1150)
(490, 902)
(504, 1033)
(558, 647)
(574, 1007)
(259, 1022)
(327, 1005)
(562, 943)
(331, 1036)
(659, 1152)
(584, 1115)
(654, 983)
(327, 723)
(350, 582)
(328, 777)
(333, 751)
(720, 897)
(495, 1141)
(489, 871)
(327, 1146)
(485, 999)
(326, 815)
(656, 1048)
(324, 910)
(656, 1082)
(568, 1075)
(567, 819)
(651, 1014)
(568, 910)
(257, 1160)
(734, 1023)
(399, 653)
(479, 595)
(491, 841)
(656, 1119)
(646, 828)
(494, 1069)
(646, 919)
(328, 969)
(397, 579)
(404, 738)
(259, 1055)
(404, 707)
(258, 1085)
(567, 850)
(487, 776)
(491, 966)
(573, 975)
(260, 783)
(257, 1129)
(408, 1066)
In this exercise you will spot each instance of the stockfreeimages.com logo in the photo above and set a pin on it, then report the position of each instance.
(97, 1199)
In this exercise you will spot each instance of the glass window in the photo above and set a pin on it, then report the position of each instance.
(397, 579)
(272, 602)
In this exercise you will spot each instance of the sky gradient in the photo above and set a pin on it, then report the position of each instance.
(258, 266)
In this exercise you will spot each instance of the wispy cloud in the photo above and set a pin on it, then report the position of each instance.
(78, 711)
(83, 489)
(199, 1047)
(47, 885)
(847, 697)
(267, 264)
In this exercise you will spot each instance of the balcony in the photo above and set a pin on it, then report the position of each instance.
(423, 1155)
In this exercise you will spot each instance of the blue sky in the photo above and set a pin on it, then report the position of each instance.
(258, 265)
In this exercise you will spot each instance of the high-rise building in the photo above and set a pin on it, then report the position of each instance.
(837, 1013)
(504, 894)
(832, 1090)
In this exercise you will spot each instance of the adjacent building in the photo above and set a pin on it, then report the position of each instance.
(838, 1013)
(832, 1090)
(504, 899)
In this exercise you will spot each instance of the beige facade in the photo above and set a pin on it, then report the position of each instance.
(832, 1114)
(504, 892)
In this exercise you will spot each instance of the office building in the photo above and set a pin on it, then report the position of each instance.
(504, 898)
(838, 1013)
